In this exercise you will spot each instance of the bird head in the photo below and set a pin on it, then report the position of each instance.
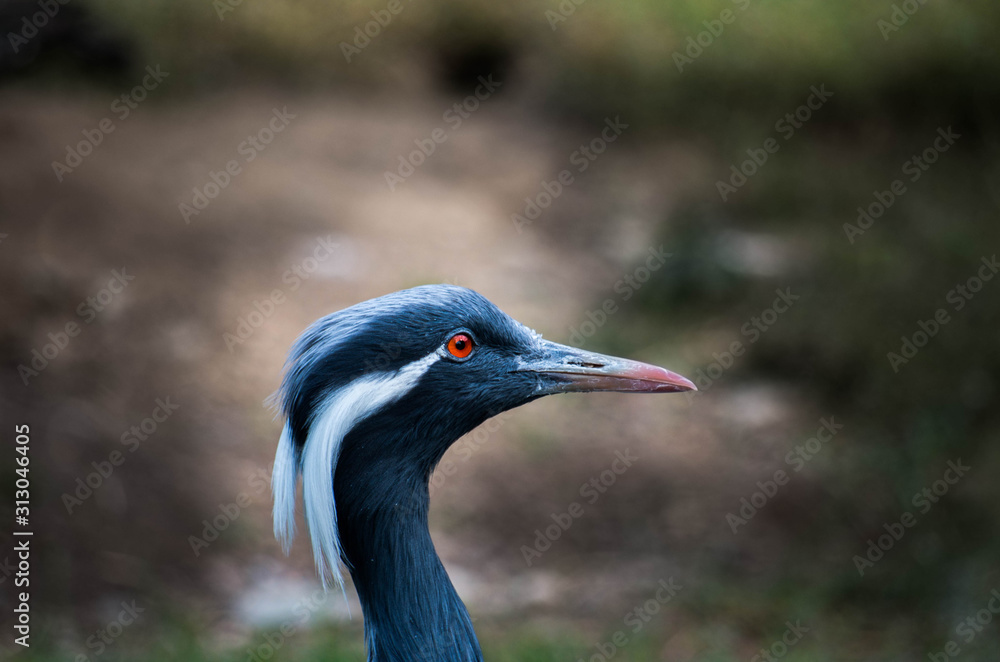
(397, 379)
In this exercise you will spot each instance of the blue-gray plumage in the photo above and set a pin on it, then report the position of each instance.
(373, 396)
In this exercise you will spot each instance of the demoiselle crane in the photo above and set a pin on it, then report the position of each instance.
(373, 396)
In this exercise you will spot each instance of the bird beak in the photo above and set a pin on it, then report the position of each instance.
(568, 369)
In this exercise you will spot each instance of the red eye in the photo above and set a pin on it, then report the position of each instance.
(460, 345)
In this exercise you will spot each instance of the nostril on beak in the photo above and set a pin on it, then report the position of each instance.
(584, 364)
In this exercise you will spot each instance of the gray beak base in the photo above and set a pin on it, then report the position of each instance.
(574, 370)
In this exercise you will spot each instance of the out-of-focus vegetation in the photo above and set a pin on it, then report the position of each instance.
(599, 58)
(784, 228)
(341, 644)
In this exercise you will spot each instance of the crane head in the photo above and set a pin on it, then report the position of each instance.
(422, 367)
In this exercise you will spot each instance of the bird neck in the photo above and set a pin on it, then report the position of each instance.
(412, 611)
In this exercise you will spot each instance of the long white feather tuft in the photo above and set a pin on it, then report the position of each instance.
(284, 478)
(339, 413)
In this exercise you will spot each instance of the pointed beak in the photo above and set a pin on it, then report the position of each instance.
(567, 369)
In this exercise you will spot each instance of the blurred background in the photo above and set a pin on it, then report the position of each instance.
(795, 204)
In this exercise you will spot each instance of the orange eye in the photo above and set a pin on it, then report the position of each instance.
(460, 345)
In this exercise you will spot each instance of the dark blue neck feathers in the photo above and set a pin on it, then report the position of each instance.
(412, 612)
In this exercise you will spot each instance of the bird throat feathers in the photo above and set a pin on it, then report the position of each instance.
(316, 459)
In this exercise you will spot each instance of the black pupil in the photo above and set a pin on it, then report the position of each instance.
(460, 343)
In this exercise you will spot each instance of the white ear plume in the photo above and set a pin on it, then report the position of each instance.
(284, 478)
(336, 416)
